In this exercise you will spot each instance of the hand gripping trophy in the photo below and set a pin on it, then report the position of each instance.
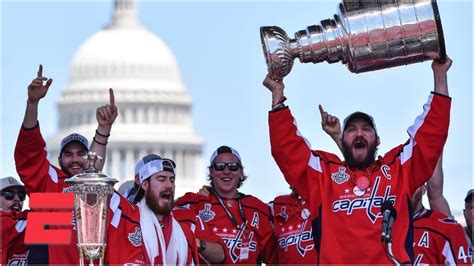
(365, 35)
(92, 191)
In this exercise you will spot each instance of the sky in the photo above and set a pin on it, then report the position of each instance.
(217, 46)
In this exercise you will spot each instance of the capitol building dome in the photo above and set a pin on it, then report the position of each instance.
(154, 106)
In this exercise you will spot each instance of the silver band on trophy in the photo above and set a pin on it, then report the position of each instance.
(365, 35)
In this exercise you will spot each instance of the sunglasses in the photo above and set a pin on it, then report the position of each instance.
(10, 195)
(231, 166)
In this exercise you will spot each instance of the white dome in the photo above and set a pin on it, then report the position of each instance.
(125, 56)
(153, 104)
(113, 56)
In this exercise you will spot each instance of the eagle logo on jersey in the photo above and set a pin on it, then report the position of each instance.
(341, 176)
(206, 214)
(136, 237)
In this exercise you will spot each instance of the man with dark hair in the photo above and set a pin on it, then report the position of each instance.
(242, 221)
(346, 196)
(210, 247)
(40, 175)
(166, 241)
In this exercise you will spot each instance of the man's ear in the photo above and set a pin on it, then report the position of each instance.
(145, 185)
(378, 141)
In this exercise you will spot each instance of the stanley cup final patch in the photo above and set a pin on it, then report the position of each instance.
(136, 237)
(341, 176)
(207, 214)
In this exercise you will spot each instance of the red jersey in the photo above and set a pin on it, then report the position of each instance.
(348, 220)
(168, 226)
(439, 239)
(292, 228)
(248, 241)
(200, 229)
(13, 250)
(39, 175)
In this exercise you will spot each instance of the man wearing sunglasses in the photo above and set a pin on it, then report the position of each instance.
(13, 222)
(347, 195)
(242, 221)
(13, 194)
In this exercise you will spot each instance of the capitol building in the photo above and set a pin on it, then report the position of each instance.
(153, 103)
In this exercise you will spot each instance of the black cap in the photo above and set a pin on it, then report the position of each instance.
(359, 115)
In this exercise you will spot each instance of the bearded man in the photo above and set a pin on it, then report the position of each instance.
(166, 241)
(346, 196)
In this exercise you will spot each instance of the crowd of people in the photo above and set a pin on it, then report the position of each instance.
(361, 209)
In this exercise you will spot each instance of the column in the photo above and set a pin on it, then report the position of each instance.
(115, 163)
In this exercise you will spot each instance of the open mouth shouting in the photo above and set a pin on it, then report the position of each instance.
(16, 207)
(359, 147)
(166, 197)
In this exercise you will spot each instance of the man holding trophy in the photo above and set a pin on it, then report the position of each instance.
(359, 201)
(347, 195)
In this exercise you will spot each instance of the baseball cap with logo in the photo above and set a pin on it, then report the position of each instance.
(224, 149)
(359, 115)
(10, 182)
(148, 166)
(74, 137)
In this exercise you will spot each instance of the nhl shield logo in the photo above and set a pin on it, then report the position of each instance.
(206, 214)
(136, 237)
(341, 176)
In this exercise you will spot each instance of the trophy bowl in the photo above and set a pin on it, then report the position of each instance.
(92, 193)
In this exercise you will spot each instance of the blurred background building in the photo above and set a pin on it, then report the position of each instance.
(153, 103)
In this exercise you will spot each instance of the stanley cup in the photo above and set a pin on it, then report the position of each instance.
(365, 35)
(92, 191)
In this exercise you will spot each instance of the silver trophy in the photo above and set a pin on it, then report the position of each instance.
(92, 191)
(365, 35)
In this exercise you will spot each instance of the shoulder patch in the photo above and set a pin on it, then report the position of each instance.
(340, 176)
(207, 214)
(136, 237)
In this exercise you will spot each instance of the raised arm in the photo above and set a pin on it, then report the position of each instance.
(276, 87)
(435, 190)
(106, 115)
(440, 73)
(332, 126)
(36, 91)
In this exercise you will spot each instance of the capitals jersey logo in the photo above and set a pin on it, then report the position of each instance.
(206, 214)
(348, 205)
(303, 240)
(341, 176)
(136, 237)
(234, 244)
(18, 260)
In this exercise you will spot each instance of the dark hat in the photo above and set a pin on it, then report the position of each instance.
(74, 137)
(359, 115)
(225, 149)
(468, 197)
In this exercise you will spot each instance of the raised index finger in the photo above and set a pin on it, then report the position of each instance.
(321, 110)
(112, 97)
(40, 71)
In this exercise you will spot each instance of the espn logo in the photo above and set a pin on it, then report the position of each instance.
(49, 221)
